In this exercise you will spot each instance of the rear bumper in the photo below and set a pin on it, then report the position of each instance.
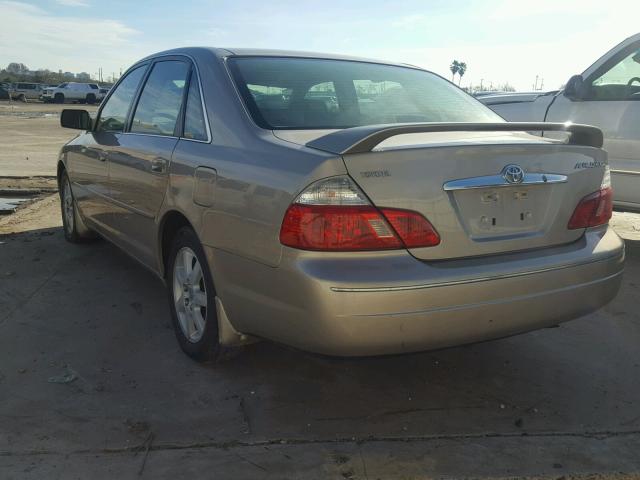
(383, 303)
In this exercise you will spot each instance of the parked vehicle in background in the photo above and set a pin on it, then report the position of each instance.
(606, 95)
(73, 92)
(483, 93)
(102, 93)
(313, 221)
(23, 91)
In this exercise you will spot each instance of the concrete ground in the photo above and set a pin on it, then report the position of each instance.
(93, 384)
(31, 137)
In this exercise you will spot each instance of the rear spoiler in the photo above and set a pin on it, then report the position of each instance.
(366, 138)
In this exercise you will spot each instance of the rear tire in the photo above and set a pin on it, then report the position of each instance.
(91, 99)
(192, 298)
(75, 231)
(22, 98)
(58, 98)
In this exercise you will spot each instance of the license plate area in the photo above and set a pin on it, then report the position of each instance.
(507, 211)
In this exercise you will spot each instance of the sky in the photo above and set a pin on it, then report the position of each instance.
(500, 40)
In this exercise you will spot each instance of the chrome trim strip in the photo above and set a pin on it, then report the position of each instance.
(497, 181)
(141, 134)
(471, 280)
(502, 301)
(625, 172)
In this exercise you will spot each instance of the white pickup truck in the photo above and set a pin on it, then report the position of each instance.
(73, 92)
(607, 95)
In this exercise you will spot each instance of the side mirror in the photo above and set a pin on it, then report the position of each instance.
(575, 89)
(78, 119)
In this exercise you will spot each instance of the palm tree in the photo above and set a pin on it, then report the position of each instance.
(462, 68)
(455, 68)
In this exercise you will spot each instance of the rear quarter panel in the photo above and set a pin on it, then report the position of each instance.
(255, 183)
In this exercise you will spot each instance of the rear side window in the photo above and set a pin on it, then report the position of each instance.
(307, 93)
(114, 113)
(161, 99)
(194, 126)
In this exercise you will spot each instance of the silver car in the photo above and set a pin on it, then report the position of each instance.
(26, 91)
(339, 205)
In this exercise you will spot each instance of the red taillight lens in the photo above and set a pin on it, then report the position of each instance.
(341, 228)
(414, 230)
(593, 210)
(351, 228)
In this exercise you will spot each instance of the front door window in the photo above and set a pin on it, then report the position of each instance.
(114, 113)
(620, 82)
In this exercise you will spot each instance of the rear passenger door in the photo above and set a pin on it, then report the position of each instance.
(138, 168)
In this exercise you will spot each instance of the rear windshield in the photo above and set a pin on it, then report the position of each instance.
(302, 93)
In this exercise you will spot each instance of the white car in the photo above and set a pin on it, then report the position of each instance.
(73, 92)
(607, 95)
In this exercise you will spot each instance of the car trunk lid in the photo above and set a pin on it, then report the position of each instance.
(462, 184)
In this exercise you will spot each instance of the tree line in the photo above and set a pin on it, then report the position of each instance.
(19, 72)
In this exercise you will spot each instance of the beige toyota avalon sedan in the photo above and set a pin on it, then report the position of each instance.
(339, 205)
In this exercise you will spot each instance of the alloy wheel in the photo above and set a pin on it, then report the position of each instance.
(67, 206)
(189, 294)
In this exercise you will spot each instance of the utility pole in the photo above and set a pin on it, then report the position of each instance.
(535, 85)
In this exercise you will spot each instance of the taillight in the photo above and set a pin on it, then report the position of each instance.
(334, 215)
(324, 227)
(593, 210)
(414, 230)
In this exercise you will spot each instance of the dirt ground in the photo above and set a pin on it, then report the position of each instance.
(31, 137)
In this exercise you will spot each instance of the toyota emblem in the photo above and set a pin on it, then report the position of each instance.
(513, 174)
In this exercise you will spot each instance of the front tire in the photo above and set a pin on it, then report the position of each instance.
(58, 98)
(74, 228)
(91, 99)
(192, 298)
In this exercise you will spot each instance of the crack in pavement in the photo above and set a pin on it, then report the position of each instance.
(157, 447)
(403, 411)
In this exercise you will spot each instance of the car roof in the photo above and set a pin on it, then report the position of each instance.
(258, 52)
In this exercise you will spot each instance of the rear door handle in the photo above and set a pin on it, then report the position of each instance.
(158, 165)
